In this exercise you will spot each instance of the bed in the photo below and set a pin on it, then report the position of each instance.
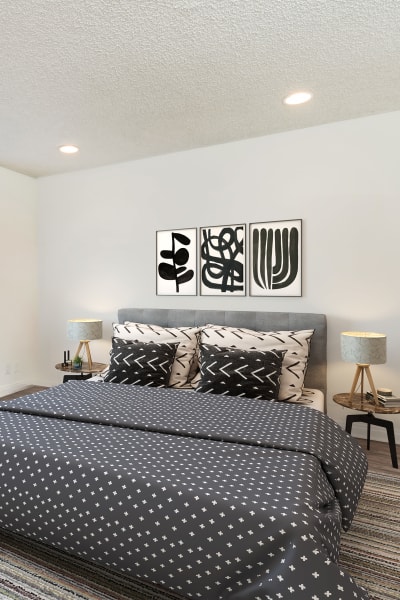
(205, 495)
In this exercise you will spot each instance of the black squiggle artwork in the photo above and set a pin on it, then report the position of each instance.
(176, 270)
(222, 254)
(275, 257)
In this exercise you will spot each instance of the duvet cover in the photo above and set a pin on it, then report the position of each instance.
(211, 497)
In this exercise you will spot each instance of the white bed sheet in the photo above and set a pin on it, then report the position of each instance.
(310, 397)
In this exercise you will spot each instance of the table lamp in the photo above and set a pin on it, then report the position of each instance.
(364, 348)
(84, 330)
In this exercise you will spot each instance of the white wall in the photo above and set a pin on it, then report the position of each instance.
(97, 233)
(19, 350)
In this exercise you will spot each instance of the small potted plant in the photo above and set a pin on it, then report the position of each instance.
(77, 362)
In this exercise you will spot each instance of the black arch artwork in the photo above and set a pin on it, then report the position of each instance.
(275, 258)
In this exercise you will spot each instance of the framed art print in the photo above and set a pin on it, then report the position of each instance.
(222, 260)
(275, 258)
(176, 262)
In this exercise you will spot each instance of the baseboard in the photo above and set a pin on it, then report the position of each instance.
(11, 388)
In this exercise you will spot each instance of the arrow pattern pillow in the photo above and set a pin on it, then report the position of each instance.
(141, 364)
(185, 364)
(295, 360)
(249, 373)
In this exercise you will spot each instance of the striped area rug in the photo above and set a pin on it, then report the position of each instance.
(32, 571)
(370, 552)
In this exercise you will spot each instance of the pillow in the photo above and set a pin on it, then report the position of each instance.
(296, 344)
(141, 364)
(185, 359)
(249, 373)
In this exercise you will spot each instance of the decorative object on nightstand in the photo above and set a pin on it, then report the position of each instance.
(364, 348)
(84, 330)
(77, 362)
(386, 398)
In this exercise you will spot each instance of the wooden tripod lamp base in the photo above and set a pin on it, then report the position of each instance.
(361, 371)
(86, 350)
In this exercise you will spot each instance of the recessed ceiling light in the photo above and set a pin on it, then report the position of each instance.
(298, 98)
(68, 149)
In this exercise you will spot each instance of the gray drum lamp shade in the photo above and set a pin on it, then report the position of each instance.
(363, 347)
(84, 329)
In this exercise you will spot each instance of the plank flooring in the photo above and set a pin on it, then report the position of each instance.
(378, 456)
(28, 390)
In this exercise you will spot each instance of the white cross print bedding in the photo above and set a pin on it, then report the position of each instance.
(210, 497)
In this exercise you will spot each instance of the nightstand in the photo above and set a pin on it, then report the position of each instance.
(83, 373)
(370, 408)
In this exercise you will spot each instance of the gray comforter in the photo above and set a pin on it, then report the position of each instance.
(212, 497)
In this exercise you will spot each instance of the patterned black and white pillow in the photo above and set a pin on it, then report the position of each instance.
(138, 363)
(296, 344)
(185, 364)
(234, 372)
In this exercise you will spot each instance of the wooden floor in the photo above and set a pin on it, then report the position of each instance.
(378, 455)
(28, 390)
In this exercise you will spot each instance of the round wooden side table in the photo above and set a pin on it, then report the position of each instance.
(370, 408)
(82, 373)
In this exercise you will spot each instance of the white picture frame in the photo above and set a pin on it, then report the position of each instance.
(222, 250)
(275, 258)
(176, 251)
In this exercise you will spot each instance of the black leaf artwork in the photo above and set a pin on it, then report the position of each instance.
(179, 257)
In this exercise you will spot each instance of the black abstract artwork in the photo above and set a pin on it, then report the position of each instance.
(275, 258)
(222, 260)
(176, 262)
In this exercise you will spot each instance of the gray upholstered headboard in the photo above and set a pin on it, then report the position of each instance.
(258, 320)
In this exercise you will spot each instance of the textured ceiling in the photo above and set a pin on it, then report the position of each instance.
(127, 79)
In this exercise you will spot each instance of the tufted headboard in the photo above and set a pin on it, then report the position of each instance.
(258, 320)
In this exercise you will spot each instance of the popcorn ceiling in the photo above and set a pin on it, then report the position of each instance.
(126, 80)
